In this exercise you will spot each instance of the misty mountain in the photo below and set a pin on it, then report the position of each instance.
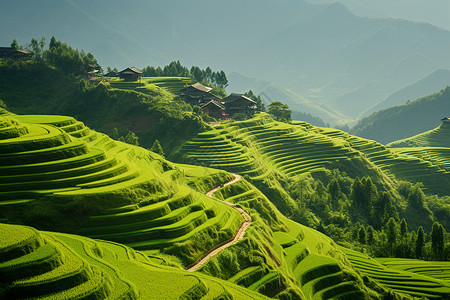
(432, 83)
(271, 92)
(343, 62)
(432, 11)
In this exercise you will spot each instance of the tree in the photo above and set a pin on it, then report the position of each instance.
(14, 44)
(370, 235)
(221, 79)
(115, 134)
(259, 103)
(335, 193)
(157, 148)
(279, 111)
(132, 139)
(37, 48)
(362, 235)
(390, 211)
(391, 228)
(403, 228)
(420, 242)
(437, 240)
(416, 198)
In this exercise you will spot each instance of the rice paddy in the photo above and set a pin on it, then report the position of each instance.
(259, 146)
(47, 265)
(56, 157)
(173, 85)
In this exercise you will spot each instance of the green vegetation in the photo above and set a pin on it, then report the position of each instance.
(326, 178)
(438, 137)
(55, 165)
(175, 69)
(49, 265)
(36, 88)
(414, 277)
(400, 122)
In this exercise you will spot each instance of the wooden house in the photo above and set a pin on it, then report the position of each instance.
(130, 74)
(9, 52)
(198, 94)
(238, 103)
(214, 109)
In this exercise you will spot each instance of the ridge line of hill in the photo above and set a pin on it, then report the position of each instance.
(239, 235)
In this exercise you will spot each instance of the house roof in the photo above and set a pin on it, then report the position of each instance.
(131, 70)
(11, 50)
(111, 74)
(201, 87)
(235, 96)
(212, 102)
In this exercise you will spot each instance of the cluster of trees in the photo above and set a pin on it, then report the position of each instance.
(279, 111)
(340, 207)
(396, 241)
(59, 55)
(175, 69)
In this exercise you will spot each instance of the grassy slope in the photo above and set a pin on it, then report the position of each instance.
(261, 147)
(438, 137)
(150, 203)
(154, 114)
(153, 205)
(55, 173)
(61, 266)
(173, 85)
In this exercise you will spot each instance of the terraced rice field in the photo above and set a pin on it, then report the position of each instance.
(302, 255)
(260, 145)
(173, 85)
(58, 157)
(48, 265)
(412, 277)
(438, 137)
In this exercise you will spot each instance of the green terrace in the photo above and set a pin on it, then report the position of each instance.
(58, 159)
(407, 276)
(47, 265)
(438, 137)
(173, 85)
(295, 253)
(260, 145)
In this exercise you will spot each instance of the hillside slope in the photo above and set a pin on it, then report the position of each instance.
(260, 146)
(57, 173)
(406, 120)
(63, 175)
(153, 114)
(49, 265)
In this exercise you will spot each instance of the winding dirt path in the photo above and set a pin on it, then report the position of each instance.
(239, 235)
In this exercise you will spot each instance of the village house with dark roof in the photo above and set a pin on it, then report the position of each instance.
(238, 103)
(130, 74)
(198, 94)
(214, 109)
(445, 120)
(9, 52)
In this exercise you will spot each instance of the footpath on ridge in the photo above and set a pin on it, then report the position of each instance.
(239, 235)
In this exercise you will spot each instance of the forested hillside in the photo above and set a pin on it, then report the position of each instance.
(406, 120)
